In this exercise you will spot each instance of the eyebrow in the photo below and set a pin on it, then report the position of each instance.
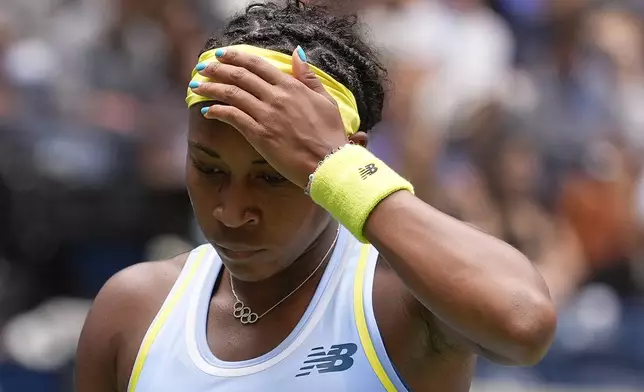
(214, 154)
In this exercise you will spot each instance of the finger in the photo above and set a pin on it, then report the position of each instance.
(229, 94)
(304, 73)
(254, 64)
(234, 117)
(238, 76)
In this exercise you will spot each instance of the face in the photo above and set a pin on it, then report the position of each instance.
(258, 221)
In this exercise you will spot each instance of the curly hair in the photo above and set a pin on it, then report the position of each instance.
(332, 43)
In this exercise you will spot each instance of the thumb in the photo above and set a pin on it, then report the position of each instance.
(305, 74)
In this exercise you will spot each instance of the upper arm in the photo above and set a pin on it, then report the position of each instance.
(446, 338)
(116, 324)
(443, 339)
(438, 339)
(98, 344)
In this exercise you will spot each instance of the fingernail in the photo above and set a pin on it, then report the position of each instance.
(301, 54)
(194, 84)
(201, 66)
(204, 110)
(220, 53)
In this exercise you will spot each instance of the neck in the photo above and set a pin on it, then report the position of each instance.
(263, 294)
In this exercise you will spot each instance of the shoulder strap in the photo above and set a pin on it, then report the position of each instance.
(363, 286)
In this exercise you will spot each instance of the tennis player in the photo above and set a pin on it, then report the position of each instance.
(323, 271)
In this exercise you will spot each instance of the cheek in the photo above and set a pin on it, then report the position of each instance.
(291, 209)
(294, 221)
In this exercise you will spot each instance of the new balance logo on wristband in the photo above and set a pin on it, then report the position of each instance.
(337, 359)
(368, 170)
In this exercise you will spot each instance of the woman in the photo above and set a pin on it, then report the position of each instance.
(285, 298)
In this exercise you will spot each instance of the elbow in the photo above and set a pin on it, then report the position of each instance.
(532, 329)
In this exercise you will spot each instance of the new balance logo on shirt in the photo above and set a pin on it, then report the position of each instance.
(337, 359)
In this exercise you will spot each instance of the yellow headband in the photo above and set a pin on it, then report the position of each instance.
(342, 95)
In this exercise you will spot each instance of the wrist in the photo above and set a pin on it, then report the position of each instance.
(350, 183)
(314, 172)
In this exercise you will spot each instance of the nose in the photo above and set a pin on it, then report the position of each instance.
(235, 208)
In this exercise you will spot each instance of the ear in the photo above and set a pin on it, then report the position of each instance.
(360, 138)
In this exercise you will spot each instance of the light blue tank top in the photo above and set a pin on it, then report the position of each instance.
(336, 345)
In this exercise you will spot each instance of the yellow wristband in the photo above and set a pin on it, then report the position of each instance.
(350, 183)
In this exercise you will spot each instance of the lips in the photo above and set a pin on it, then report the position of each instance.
(237, 253)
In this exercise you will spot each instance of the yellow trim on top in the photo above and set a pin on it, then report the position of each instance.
(361, 321)
(161, 319)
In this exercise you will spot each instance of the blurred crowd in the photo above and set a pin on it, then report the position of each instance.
(524, 118)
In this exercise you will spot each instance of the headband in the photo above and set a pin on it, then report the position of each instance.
(342, 95)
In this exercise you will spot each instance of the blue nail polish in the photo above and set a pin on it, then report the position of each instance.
(220, 53)
(204, 110)
(301, 54)
(194, 84)
(201, 66)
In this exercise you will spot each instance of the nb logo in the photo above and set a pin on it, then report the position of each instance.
(337, 359)
(368, 170)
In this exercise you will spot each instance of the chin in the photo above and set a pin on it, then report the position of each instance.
(254, 266)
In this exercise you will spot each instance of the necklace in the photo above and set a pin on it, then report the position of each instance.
(246, 316)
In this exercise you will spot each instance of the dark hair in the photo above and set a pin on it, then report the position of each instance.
(332, 43)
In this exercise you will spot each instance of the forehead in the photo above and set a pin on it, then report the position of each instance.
(219, 136)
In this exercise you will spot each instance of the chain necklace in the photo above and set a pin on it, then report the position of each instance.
(246, 316)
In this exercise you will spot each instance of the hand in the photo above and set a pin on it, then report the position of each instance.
(291, 121)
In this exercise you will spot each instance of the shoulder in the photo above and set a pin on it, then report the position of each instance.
(121, 314)
(139, 288)
(143, 279)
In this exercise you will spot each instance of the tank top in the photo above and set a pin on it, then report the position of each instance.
(336, 346)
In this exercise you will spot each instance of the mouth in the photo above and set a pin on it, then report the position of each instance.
(238, 253)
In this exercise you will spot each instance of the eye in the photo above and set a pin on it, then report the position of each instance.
(204, 169)
(273, 179)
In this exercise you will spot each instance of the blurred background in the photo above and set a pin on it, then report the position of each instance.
(522, 117)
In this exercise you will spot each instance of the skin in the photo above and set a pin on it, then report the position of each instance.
(443, 292)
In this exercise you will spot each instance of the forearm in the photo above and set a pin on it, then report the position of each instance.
(477, 285)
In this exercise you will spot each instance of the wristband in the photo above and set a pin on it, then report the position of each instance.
(350, 183)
